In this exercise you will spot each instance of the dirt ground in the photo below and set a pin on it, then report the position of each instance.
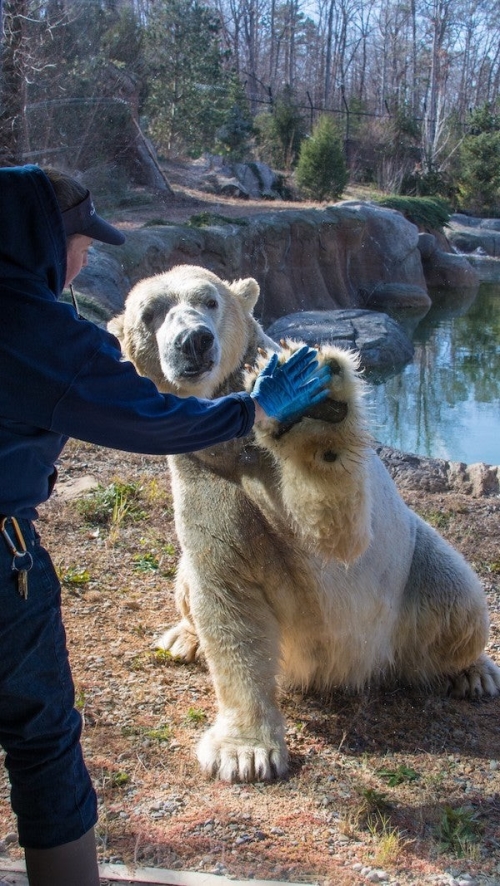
(189, 199)
(402, 783)
(400, 787)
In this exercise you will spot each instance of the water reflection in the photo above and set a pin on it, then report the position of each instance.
(446, 403)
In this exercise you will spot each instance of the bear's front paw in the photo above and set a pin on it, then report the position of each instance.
(342, 408)
(181, 641)
(241, 759)
(477, 681)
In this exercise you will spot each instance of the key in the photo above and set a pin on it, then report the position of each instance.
(22, 563)
(22, 583)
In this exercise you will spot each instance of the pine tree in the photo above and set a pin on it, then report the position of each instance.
(233, 136)
(479, 183)
(280, 133)
(321, 170)
(187, 83)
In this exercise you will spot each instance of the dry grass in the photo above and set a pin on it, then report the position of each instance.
(403, 781)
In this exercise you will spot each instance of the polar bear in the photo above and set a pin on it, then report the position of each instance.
(301, 564)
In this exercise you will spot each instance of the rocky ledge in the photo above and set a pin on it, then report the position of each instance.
(438, 475)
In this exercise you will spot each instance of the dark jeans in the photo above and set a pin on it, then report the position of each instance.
(52, 794)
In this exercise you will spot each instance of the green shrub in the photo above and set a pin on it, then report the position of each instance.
(429, 213)
(233, 136)
(110, 505)
(321, 170)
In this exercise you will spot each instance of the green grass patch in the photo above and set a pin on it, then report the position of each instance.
(74, 575)
(209, 219)
(159, 733)
(146, 562)
(80, 699)
(112, 504)
(195, 716)
(400, 775)
(159, 222)
(119, 779)
(458, 831)
(437, 519)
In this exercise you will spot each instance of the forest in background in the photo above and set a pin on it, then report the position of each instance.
(412, 87)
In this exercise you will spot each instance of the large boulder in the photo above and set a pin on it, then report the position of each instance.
(476, 240)
(443, 268)
(381, 342)
(218, 175)
(404, 299)
(470, 221)
(479, 240)
(349, 255)
(487, 267)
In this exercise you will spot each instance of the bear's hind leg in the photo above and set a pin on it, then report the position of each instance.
(444, 625)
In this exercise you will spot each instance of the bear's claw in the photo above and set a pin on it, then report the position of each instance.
(481, 679)
(180, 641)
(234, 762)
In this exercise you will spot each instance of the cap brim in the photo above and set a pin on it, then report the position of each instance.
(106, 233)
(83, 219)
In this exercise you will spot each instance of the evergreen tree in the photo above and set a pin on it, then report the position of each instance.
(280, 133)
(232, 137)
(187, 82)
(479, 183)
(321, 170)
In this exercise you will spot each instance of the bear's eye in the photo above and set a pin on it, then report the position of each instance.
(211, 303)
(329, 455)
(148, 316)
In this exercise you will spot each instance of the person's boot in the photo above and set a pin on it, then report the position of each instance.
(72, 864)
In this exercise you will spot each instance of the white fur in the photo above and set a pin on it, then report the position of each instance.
(300, 561)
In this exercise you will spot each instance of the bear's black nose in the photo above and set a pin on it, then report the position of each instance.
(195, 342)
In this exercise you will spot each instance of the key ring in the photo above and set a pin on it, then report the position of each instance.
(20, 555)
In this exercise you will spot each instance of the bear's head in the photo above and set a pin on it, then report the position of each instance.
(188, 330)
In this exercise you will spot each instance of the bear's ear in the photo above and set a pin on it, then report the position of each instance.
(115, 326)
(248, 290)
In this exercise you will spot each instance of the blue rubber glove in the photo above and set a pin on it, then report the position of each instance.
(286, 390)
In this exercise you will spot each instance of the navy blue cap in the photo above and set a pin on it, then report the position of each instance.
(83, 219)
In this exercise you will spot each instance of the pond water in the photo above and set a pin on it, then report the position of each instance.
(446, 403)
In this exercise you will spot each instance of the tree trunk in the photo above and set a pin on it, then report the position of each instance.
(14, 60)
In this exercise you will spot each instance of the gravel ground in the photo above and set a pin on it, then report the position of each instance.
(400, 787)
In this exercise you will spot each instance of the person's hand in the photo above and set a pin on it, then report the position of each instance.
(286, 390)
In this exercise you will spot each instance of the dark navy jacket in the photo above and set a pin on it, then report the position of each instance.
(61, 376)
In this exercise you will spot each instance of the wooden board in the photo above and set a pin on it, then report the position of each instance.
(13, 873)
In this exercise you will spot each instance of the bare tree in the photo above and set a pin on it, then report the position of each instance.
(16, 64)
(435, 108)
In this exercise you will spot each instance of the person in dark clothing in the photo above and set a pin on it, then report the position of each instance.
(62, 376)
